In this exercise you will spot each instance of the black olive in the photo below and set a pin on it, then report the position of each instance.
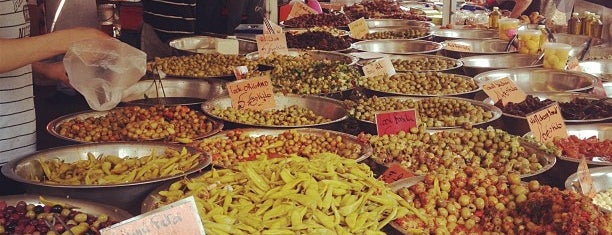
(39, 209)
(57, 209)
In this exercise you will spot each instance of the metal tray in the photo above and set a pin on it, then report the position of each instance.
(53, 125)
(599, 68)
(334, 31)
(24, 169)
(315, 54)
(398, 46)
(474, 65)
(149, 92)
(441, 35)
(478, 47)
(206, 44)
(497, 113)
(468, 94)
(602, 180)
(424, 30)
(381, 23)
(92, 208)
(458, 63)
(322, 106)
(541, 80)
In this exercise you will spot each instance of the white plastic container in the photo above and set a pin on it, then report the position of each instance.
(529, 41)
(556, 55)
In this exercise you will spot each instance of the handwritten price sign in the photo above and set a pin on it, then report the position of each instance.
(547, 123)
(393, 122)
(359, 28)
(180, 217)
(394, 173)
(505, 90)
(453, 46)
(379, 67)
(299, 9)
(584, 178)
(254, 93)
(269, 43)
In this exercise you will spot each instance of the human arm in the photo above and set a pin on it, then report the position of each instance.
(519, 7)
(16, 53)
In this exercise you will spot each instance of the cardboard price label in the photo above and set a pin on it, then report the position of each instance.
(299, 9)
(505, 90)
(275, 28)
(359, 28)
(394, 173)
(547, 123)
(379, 67)
(254, 93)
(180, 217)
(584, 178)
(240, 71)
(269, 43)
(396, 121)
(453, 46)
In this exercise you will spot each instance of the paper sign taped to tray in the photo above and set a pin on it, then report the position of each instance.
(379, 67)
(359, 28)
(299, 9)
(453, 46)
(393, 122)
(270, 43)
(394, 173)
(253, 93)
(547, 123)
(505, 90)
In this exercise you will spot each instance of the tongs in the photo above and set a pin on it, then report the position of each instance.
(584, 51)
(512, 42)
(158, 75)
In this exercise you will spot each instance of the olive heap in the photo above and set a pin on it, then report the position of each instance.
(423, 64)
(292, 115)
(317, 40)
(576, 109)
(420, 83)
(377, 9)
(239, 146)
(306, 75)
(422, 152)
(478, 200)
(407, 34)
(175, 123)
(24, 218)
(200, 65)
(433, 112)
(314, 20)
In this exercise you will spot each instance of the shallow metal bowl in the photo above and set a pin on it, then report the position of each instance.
(467, 94)
(53, 125)
(398, 46)
(483, 63)
(126, 196)
(458, 63)
(426, 31)
(381, 23)
(578, 42)
(174, 92)
(600, 68)
(603, 51)
(333, 31)
(602, 180)
(441, 35)
(518, 124)
(478, 47)
(322, 106)
(315, 54)
(206, 44)
(92, 208)
(541, 80)
(370, 127)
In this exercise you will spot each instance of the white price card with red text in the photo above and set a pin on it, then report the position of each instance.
(379, 67)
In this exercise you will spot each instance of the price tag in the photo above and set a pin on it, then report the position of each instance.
(180, 217)
(379, 67)
(584, 178)
(394, 173)
(599, 90)
(359, 28)
(368, 55)
(276, 28)
(299, 9)
(453, 46)
(254, 93)
(505, 90)
(240, 71)
(396, 121)
(547, 123)
(269, 43)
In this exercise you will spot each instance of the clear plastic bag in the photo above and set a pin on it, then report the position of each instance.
(101, 69)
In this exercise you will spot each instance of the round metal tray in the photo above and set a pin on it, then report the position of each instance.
(24, 169)
(322, 106)
(398, 46)
(206, 44)
(458, 63)
(474, 65)
(441, 35)
(478, 47)
(174, 92)
(334, 31)
(467, 94)
(541, 80)
(382, 23)
(315, 54)
(92, 208)
(426, 31)
(497, 113)
(53, 125)
(599, 68)
(602, 180)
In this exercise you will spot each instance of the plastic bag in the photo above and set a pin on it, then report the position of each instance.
(101, 69)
